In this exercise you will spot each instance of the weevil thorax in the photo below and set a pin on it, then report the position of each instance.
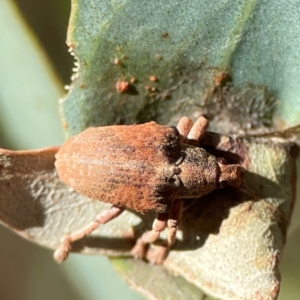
(200, 173)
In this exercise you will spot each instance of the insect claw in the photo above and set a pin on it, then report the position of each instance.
(139, 250)
(60, 255)
(158, 255)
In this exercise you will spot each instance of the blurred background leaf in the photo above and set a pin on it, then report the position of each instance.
(29, 88)
(49, 20)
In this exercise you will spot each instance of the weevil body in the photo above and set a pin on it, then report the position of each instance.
(146, 167)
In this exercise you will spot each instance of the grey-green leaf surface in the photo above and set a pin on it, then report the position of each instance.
(227, 240)
(185, 45)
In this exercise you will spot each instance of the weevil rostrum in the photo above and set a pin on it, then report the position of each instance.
(147, 167)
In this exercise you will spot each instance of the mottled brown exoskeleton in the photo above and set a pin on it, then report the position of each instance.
(146, 167)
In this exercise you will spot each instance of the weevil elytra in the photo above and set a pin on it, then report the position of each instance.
(147, 167)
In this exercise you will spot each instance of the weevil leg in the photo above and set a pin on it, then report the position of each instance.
(159, 225)
(174, 219)
(175, 214)
(184, 126)
(220, 141)
(189, 133)
(62, 252)
(197, 131)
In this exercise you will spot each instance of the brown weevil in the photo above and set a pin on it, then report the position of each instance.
(147, 167)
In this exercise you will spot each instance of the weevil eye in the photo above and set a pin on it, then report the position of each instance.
(172, 180)
(222, 160)
(222, 184)
(176, 170)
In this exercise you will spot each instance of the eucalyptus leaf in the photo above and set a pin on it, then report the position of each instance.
(186, 45)
(227, 241)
